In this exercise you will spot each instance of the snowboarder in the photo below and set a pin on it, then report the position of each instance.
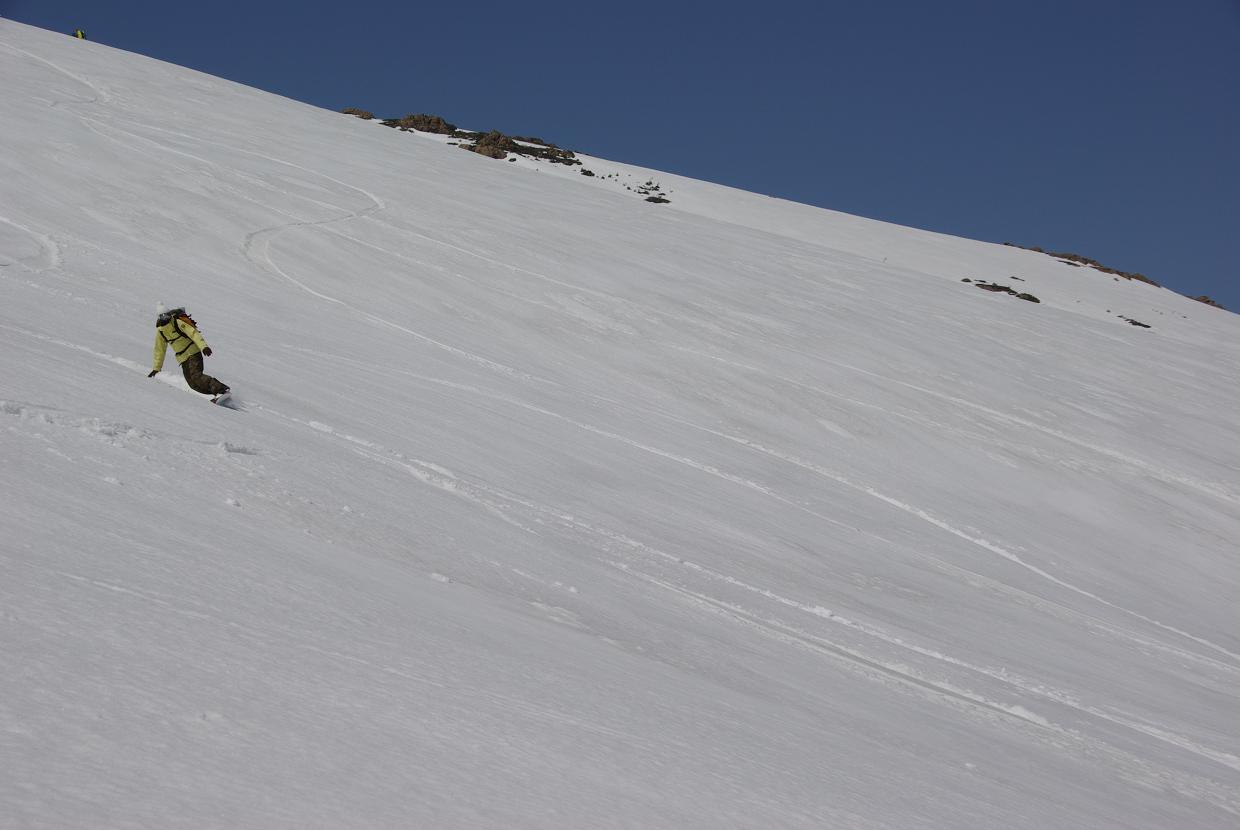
(175, 328)
(80, 34)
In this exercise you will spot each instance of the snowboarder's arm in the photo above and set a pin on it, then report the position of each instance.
(161, 346)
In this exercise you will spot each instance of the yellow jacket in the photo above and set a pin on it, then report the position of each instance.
(181, 335)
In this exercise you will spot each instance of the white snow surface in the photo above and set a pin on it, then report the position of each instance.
(551, 508)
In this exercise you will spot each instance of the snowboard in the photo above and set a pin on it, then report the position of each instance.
(225, 400)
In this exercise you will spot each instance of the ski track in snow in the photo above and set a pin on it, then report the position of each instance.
(846, 482)
(977, 540)
(257, 250)
(1208, 488)
(100, 96)
(47, 259)
(1036, 726)
(869, 491)
(116, 433)
(498, 502)
(501, 503)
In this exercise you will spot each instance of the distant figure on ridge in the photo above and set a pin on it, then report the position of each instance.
(175, 328)
(80, 34)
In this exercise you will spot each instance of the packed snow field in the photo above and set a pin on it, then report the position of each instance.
(549, 507)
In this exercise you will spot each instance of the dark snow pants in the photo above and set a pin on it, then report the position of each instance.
(207, 385)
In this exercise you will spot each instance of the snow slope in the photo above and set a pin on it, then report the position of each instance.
(549, 507)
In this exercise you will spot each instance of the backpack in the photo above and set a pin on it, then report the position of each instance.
(174, 314)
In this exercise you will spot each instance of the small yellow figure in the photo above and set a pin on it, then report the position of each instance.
(175, 328)
(80, 34)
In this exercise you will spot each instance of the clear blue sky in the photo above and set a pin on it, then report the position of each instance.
(1109, 128)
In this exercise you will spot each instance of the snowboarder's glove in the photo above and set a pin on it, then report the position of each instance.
(207, 351)
(153, 373)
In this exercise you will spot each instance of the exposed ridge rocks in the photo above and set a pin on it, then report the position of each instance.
(422, 123)
(492, 143)
(497, 145)
(1204, 299)
(1078, 260)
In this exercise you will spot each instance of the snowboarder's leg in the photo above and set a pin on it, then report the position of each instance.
(207, 385)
